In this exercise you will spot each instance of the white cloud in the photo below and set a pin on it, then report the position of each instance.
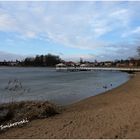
(6, 22)
(10, 56)
(30, 34)
(76, 57)
(61, 23)
(132, 32)
(80, 25)
(136, 31)
(118, 13)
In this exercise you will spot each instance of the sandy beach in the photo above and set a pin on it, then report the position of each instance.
(113, 114)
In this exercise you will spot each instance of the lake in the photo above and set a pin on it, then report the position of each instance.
(61, 88)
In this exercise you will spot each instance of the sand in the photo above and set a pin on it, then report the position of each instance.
(113, 114)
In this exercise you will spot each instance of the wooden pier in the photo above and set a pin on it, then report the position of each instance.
(97, 69)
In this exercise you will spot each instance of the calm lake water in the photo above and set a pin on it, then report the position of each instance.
(58, 87)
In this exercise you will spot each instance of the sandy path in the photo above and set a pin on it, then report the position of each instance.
(114, 114)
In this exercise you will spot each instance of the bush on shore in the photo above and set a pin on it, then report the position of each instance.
(12, 112)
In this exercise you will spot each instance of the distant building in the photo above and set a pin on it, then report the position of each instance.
(77, 64)
(13, 63)
(9, 63)
(134, 63)
(60, 65)
(70, 64)
(85, 65)
(121, 65)
(101, 64)
(107, 64)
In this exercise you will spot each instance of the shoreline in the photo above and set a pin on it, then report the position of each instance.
(112, 114)
(131, 76)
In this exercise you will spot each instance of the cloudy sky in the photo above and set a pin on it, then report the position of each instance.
(90, 30)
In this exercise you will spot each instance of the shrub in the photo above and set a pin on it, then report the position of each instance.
(11, 112)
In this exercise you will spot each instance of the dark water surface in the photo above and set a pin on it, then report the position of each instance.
(59, 87)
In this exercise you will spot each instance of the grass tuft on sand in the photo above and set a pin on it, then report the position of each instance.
(12, 112)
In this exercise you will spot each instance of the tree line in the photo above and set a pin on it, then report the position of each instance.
(41, 60)
(51, 60)
(38, 60)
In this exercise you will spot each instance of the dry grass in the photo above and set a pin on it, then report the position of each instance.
(17, 111)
